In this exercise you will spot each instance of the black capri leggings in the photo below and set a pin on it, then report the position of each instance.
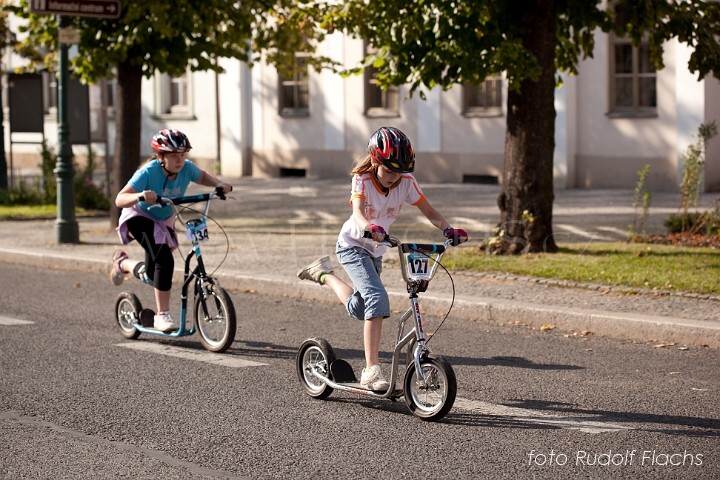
(159, 260)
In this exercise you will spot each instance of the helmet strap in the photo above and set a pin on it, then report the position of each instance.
(162, 164)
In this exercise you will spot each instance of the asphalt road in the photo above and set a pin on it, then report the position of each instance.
(77, 402)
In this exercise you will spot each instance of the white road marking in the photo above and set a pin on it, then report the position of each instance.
(190, 354)
(538, 417)
(14, 321)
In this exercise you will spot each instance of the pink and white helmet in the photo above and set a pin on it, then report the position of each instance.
(170, 141)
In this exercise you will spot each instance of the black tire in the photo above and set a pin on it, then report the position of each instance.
(127, 313)
(315, 353)
(434, 401)
(218, 323)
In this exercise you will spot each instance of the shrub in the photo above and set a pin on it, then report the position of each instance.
(88, 195)
(641, 203)
(691, 187)
(683, 222)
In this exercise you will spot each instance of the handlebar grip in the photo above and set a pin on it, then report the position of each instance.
(368, 234)
(220, 193)
(160, 202)
(393, 242)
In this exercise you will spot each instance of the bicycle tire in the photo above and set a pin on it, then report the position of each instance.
(127, 313)
(433, 401)
(218, 324)
(315, 354)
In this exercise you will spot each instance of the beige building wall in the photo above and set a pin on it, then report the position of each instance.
(594, 149)
(610, 150)
(235, 126)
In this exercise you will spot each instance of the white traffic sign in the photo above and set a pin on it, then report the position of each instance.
(77, 8)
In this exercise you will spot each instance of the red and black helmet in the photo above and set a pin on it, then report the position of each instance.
(170, 141)
(392, 148)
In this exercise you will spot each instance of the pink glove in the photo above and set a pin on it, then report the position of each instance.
(375, 229)
(376, 232)
(458, 235)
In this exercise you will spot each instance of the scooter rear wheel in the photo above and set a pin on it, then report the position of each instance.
(433, 400)
(127, 314)
(315, 355)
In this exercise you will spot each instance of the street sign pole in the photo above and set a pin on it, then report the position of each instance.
(66, 227)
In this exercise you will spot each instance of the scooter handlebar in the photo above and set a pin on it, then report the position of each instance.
(392, 241)
(164, 201)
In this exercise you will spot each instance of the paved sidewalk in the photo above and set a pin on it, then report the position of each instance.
(276, 226)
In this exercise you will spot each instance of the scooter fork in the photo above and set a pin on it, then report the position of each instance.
(420, 337)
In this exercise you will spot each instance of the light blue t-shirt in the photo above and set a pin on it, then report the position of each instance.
(151, 176)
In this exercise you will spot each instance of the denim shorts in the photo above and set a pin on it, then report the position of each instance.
(370, 299)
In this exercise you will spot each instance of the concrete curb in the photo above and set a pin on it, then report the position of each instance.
(624, 326)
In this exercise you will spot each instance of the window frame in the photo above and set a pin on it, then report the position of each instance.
(166, 107)
(292, 91)
(637, 74)
(50, 93)
(378, 103)
(484, 106)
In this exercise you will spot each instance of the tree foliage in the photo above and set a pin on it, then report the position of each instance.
(168, 37)
(438, 43)
(424, 44)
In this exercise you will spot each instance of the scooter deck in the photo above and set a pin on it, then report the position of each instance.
(342, 372)
(147, 320)
(360, 387)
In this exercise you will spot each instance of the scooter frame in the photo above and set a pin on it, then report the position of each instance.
(418, 354)
(130, 313)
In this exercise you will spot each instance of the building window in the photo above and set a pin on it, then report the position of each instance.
(109, 99)
(633, 78)
(50, 93)
(379, 102)
(179, 94)
(484, 100)
(294, 91)
(173, 95)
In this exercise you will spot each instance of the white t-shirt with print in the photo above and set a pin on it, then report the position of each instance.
(380, 208)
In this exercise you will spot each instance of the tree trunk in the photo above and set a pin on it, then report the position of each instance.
(526, 201)
(127, 131)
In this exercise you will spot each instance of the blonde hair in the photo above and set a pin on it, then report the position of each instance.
(362, 165)
(366, 165)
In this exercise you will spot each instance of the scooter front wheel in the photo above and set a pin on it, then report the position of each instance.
(215, 318)
(127, 314)
(431, 399)
(314, 358)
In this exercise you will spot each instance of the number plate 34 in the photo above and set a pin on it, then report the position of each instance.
(196, 230)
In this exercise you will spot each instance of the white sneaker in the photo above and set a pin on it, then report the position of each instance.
(164, 322)
(372, 379)
(313, 271)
